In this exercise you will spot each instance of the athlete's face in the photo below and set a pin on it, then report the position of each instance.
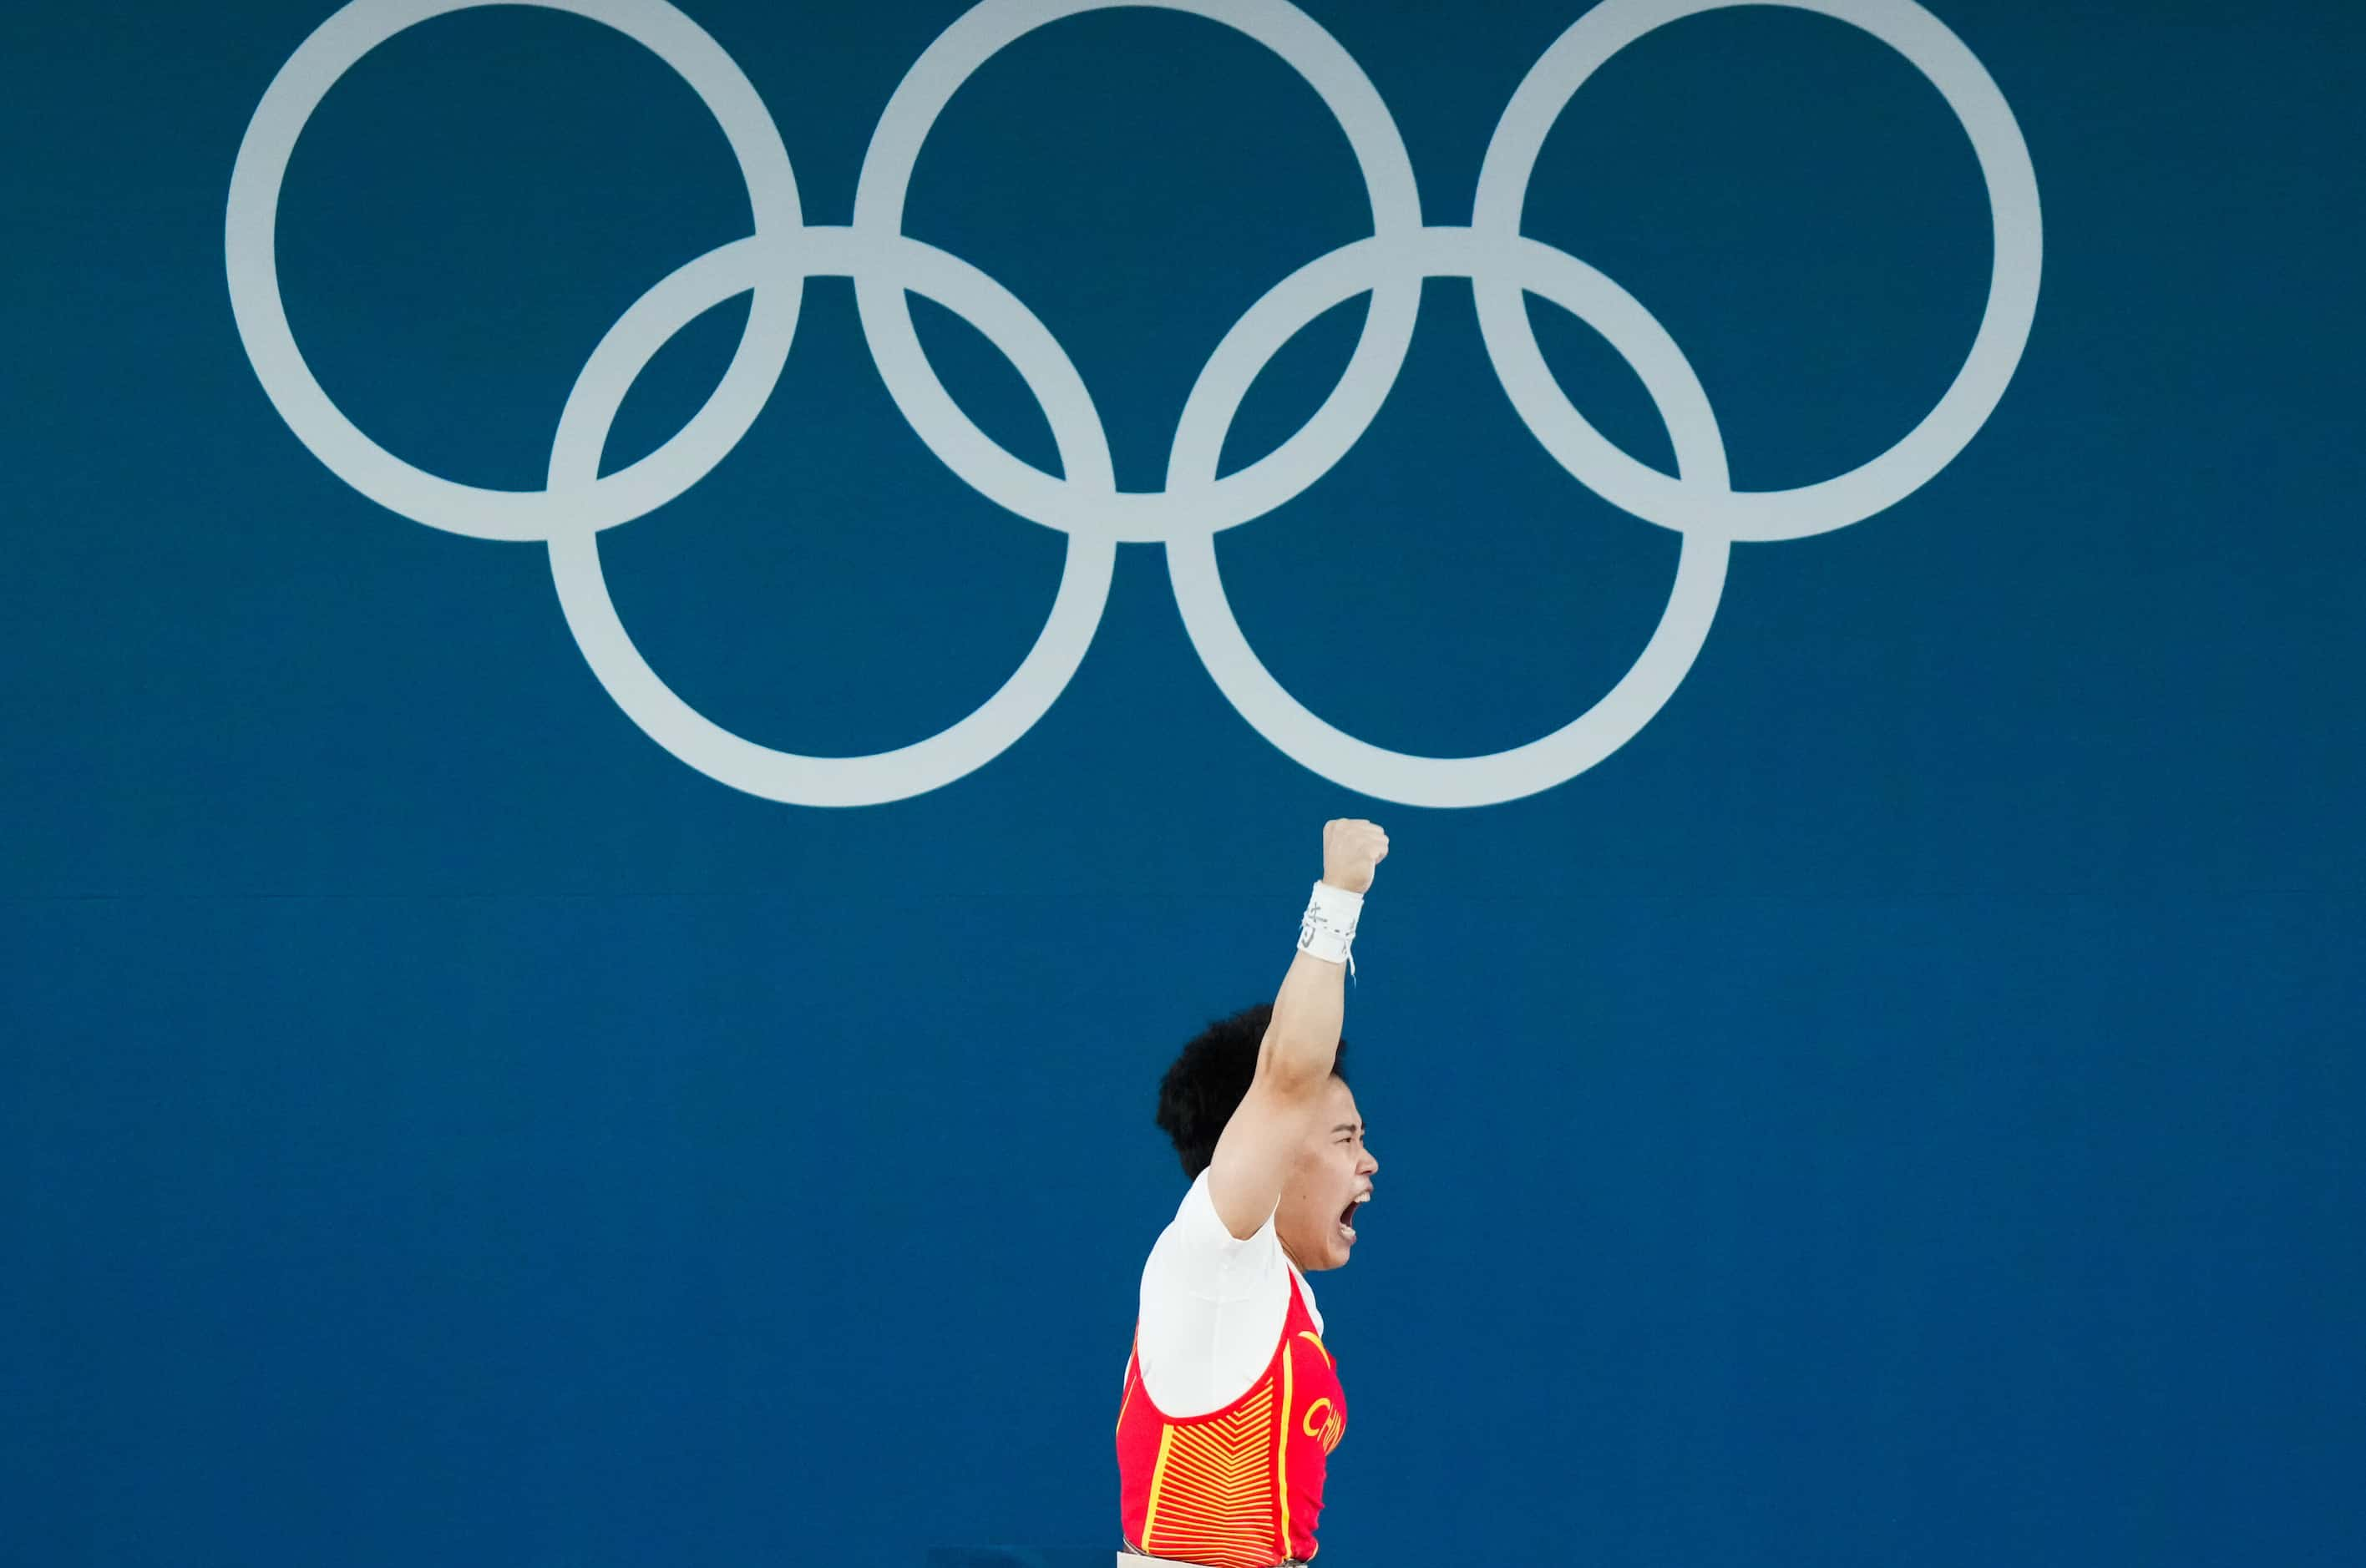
(1331, 1178)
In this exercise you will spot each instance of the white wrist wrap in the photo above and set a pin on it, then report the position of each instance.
(1328, 929)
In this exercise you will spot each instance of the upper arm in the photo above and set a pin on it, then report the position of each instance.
(1253, 1156)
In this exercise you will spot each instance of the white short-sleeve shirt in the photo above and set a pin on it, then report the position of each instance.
(1213, 1305)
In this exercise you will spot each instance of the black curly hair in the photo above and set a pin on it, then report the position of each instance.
(1210, 1079)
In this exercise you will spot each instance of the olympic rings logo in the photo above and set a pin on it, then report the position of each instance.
(1083, 500)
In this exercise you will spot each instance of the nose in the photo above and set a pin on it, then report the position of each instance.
(1368, 1166)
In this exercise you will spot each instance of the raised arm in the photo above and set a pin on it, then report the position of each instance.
(1254, 1155)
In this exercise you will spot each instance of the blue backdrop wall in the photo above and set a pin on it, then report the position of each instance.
(1885, 1089)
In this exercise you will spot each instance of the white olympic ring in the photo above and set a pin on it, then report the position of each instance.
(1082, 501)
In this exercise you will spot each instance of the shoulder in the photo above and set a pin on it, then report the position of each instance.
(1197, 1255)
(1213, 1307)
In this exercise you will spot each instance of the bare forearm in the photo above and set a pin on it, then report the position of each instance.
(1303, 1041)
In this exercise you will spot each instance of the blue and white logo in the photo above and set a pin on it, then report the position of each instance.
(1083, 500)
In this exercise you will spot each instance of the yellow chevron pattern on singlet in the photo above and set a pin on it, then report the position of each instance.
(1208, 1495)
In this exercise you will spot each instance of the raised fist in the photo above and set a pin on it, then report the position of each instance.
(1352, 849)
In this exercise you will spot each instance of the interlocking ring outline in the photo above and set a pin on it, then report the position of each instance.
(1082, 501)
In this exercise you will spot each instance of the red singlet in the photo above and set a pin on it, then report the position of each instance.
(1239, 1487)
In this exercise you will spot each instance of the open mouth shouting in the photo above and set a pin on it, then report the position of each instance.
(1348, 1215)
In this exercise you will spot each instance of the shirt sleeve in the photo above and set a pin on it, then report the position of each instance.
(1213, 1305)
(1210, 1260)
